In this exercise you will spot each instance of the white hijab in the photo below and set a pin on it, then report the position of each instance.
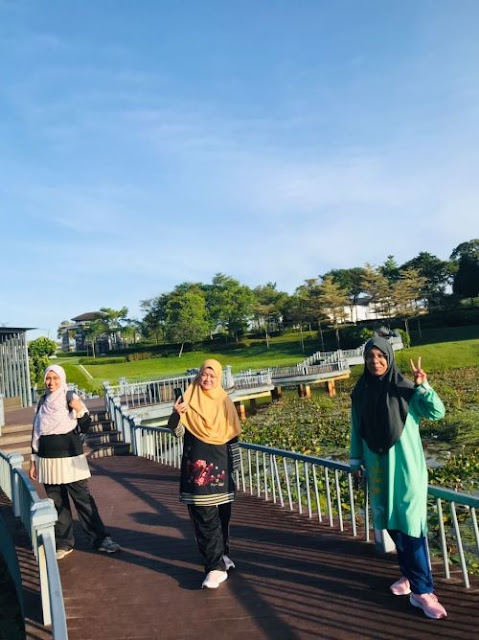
(53, 416)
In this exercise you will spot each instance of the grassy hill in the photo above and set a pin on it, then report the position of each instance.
(440, 349)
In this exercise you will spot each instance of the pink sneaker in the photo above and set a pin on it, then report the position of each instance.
(429, 603)
(401, 587)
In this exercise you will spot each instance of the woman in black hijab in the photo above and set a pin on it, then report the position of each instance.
(385, 415)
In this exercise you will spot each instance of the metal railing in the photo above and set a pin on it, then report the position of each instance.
(2, 414)
(38, 517)
(161, 391)
(325, 490)
(338, 366)
(346, 354)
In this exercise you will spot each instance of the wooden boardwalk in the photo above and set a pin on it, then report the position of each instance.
(294, 579)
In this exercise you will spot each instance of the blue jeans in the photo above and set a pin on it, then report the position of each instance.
(413, 560)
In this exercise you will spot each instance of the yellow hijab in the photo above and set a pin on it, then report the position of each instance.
(211, 415)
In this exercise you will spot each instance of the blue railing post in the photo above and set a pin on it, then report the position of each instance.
(15, 460)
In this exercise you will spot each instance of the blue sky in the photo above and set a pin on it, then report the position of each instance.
(149, 143)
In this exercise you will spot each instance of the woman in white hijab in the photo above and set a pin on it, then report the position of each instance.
(58, 462)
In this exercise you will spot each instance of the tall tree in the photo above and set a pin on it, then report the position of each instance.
(406, 292)
(437, 274)
(39, 351)
(186, 317)
(351, 281)
(377, 287)
(93, 331)
(469, 249)
(390, 269)
(333, 299)
(268, 307)
(153, 323)
(113, 321)
(230, 304)
(311, 303)
(295, 312)
(466, 278)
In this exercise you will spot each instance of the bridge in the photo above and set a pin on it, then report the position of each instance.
(305, 567)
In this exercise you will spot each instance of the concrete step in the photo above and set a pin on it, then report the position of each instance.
(99, 427)
(23, 448)
(99, 416)
(15, 428)
(13, 438)
(105, 437)
(118, 449)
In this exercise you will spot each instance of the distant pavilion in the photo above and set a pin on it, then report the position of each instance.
(14, 368)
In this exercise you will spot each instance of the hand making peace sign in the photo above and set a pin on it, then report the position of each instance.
(418, 373)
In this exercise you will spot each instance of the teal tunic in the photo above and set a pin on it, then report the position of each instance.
(398, 479)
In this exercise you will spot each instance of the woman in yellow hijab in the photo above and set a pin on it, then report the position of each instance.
(208, 420)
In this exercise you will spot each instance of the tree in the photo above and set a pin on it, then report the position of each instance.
(93, 331)
(406, 291)
(39, 351)
(333, 299)
(230, 304)
(437, 274)
(132, 330)
(153, 323)
(295, 312)
(186, 317)
(311, 303)
(466, 278)
(268, 307)
(113, 321)
(469, 249)
(349, 280)
(390, 269)
(377, 287)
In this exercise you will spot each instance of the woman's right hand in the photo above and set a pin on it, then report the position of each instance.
(180, 406)
(32, 472)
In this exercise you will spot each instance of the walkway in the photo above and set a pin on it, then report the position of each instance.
(292, 581)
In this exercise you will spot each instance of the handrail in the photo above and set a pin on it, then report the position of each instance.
(2, 414)
(305, 482)
(38, 516)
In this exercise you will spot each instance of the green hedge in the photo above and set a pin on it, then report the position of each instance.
(100, 360)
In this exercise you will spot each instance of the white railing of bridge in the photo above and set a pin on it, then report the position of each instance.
(321, 488)
(161, 391)
(38, 516)
(309, 370)
(346, 354)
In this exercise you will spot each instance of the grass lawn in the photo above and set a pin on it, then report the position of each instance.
(458, 348)
(253, 356)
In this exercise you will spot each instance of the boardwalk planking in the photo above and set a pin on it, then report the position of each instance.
(294, 579)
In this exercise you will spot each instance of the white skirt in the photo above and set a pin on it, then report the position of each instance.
(62, 470)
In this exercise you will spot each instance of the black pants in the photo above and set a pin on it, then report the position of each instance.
(86, 508)
(211, 525)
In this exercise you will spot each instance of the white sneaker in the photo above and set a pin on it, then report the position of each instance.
(61, 553)
(214, 579)
(229, 563)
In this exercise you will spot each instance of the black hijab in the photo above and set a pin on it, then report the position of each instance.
(382, 402)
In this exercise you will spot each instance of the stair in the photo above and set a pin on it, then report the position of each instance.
(103, 439)
(16, 439)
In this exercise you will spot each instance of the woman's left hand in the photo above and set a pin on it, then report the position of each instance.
(418, 373)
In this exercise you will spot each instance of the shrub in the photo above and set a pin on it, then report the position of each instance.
(100, 360)
(140, 355)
